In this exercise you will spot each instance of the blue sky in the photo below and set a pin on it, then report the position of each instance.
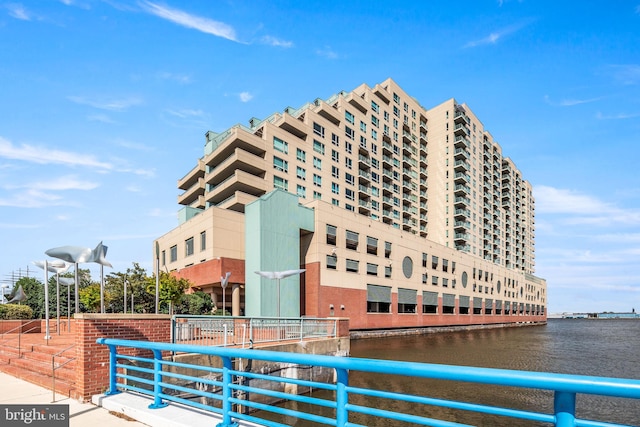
(104, 106)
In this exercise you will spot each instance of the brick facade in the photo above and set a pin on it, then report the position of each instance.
(92, 359)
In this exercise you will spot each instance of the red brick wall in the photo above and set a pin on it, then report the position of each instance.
(92, 359)
(209, 272)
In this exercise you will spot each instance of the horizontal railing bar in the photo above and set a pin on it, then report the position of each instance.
(284, 411)
(288, 396)
(306, 383)
(415, 419)
(614, 387)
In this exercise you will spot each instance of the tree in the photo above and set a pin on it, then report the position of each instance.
(171, 290)
(90, 297)
(34, 290)
(195, 303)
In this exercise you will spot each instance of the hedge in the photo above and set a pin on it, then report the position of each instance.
(15, 312)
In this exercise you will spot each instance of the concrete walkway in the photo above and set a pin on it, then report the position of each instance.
(120, 410)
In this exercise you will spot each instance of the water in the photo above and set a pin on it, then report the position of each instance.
(578, 346)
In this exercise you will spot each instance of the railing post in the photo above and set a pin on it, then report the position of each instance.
(342, 398)
(157, 378)
(173, 329)
(227, 366)
(564, 406)
(225, 334)
(301, 328)
(113, 371)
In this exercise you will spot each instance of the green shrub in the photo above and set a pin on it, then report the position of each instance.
(15, 312)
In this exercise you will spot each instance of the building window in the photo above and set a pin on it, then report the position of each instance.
(280, 145)
(301, 191)
(424, 278)
(375, 121)
(301, 155)
(280, 183)
(318, 129)
(434, 262)
(349, 194)
(374, 106)
(445, 282)
(203, 240)
(378, 299)
(164, 257)
(317, 163)
(335, 188)
(434, 280)
(318, 147)
(372, 269)
(350, 179)
(301, 173)
(372, 245)
(352, 265)
(348, 147)
(335, 139)
(317, 180)
(375, 177)
(407, 300)
(349, 133)
(387, 271)
(445, 265)
(363, 126)
(335, 172)
(332, 262)
(335, 156)
(349, 207)
(429, 302)
(425, 258)
(335, 202)
(387, 249)
(349, 117)
(352, 240)
(348, 163)
(188, 247)
(331, 235)
(173, 253)
(280, 164)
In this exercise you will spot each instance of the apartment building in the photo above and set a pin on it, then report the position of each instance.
(400, 216)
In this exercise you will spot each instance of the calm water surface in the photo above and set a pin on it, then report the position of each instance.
(608, 348)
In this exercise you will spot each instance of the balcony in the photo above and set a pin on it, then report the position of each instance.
(238, 181)
(461, 154)
(191, 195)
(192, 177)
(292, 125)
(364, 161)
(460, 189)
(461, 129)
(237, 201)
(357, 102)
(364, 207)
(328, 112)
(461, 177)
(461, 166)
(460, 142)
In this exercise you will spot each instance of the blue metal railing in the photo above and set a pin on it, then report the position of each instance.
(161, 380)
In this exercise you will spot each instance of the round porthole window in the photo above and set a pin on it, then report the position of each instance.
(407, 267)
(465, 277)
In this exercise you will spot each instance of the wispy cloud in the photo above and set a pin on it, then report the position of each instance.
(118, 105)
(18, 11)
(620, 116)
(327, 52)
(628, 74)
(570, 102)
(245, 96)
(273, 41)
(582, 209)
(496, 36)
(63, 183)
(103, 118)
(180, 78)
(47, 155)
(186, 113)
(205, 25)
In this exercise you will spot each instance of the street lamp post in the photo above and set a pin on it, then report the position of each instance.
(224, 281)
(68, 281)
(278, 275)
(54, 267)
(124, 306)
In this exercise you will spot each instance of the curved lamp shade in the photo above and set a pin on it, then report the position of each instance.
(71, 254)
(279, 274)
(57, 267)
(19, 296)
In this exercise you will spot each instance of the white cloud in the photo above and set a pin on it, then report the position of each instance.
(63, 183)
(581, 209)
(570, 102)
(103, 118)
(185, 19)
(628, 74)
(118, 105)
(620, 116)
(245, 96)
(327, 52)
(47, 155)
(18, 11)
(495, 36)
(180, 78)
(273, 41)
(186, 113)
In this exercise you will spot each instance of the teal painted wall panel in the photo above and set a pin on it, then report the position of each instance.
(272, 243)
